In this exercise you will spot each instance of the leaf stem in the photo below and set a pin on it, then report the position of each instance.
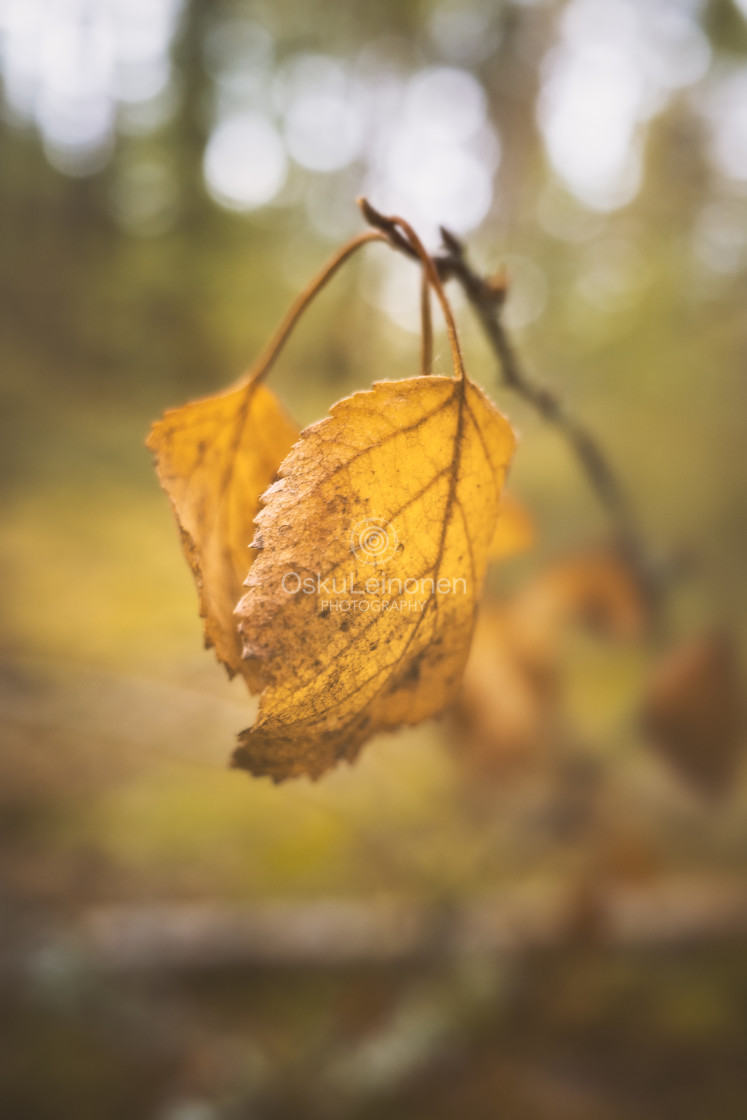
(269, 355)
(426, 320)
(414, 247)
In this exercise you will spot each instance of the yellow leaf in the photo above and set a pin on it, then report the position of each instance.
(214, 458)
(514, 531)
(373, 546)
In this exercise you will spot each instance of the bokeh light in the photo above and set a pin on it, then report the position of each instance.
(245, 163)
(615, 66)
(323, 112)
(70, 67)
(725, 106)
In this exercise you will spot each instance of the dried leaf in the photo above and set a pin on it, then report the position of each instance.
(374, 544)
(505, 708)
(694, 711)
(214, 458)
(594, 588)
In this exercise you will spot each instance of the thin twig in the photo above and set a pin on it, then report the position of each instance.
(487, 296)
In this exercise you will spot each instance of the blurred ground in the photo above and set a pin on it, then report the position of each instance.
(161, 201)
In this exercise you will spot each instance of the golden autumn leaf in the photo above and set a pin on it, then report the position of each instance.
(214, 458)
(371, 553)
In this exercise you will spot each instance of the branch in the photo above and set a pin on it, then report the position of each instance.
(486, 296)
(336, 932)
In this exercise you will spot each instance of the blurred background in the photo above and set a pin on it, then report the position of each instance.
(537, 907)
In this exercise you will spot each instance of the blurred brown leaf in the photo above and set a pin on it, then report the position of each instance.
(510, 693)
(694, 711)
(506, 703)
(514, 531)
